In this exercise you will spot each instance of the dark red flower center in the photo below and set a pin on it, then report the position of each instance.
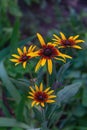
(47, 52)
(67, 42)
(41, 96)
(24, 58)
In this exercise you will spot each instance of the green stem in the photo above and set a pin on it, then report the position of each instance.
(47, 76)
(31, 76)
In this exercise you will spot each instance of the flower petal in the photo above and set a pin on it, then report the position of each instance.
(30, 48)
(43, 61)
(30, 97)
(50, 101)
(17, 63)
(49, 66)
(33, 103)
(76, 46)
(52, 96)
(70, 38)
(36, 87)
(47, 89)
(56, 37)
(16, 56)
(24, 50)
(24, 64)
(38, 65)
(32, 89)
(14, 60)
(50, 92)
(31, 93)
(62, 36)
(41, 87)
(42, 42)
(42, 104)
(78, 41)
(60, 59)
(19, 51)
(75, 37)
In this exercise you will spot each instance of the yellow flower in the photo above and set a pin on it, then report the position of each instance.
(24, 56)
(40, 96)
(64, 42)
(48, 52)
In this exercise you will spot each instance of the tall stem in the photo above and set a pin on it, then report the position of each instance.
(31, 76)
(47, 76)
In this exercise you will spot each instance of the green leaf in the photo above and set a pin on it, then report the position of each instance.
(64, 95)
(8, 84)
(11, 122)
(62, 70)
(84, 96)
(20, 109)
(16, 128)
(15, 35)
(38, 115)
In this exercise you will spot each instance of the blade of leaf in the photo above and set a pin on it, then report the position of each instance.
(8, 84)
(62, 70)
(10, 122)
(15, 35)
(64, 95)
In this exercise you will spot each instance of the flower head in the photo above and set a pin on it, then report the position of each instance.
(47, 53)
(64, 42)
(24, 56)
(40, 96)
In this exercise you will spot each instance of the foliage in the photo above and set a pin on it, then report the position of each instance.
(70, 110)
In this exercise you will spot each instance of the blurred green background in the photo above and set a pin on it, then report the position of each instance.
(20, 20)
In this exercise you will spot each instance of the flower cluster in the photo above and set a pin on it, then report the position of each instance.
(47, 53)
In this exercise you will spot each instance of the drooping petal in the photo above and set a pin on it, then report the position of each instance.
(49, 66)
(42, 42)
(16, 56)
(17, 63)
(19, 51)
(24, 64)
(43, 61)
(63, 60)
(75, 37)
(33, 103)
(62, 36)
(41, 87)
(24, 50)
(76, 46)
(38, 65)
(37, 103)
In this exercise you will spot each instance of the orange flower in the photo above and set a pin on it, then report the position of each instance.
(48, 52)
(40, 96)
(24, 56)
(64, 42)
